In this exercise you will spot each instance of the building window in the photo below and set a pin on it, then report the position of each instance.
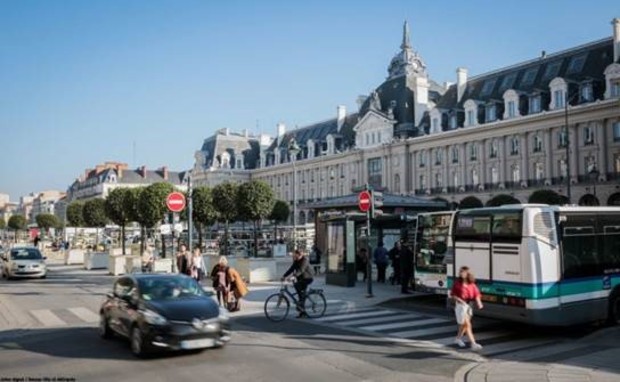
(516, 173)
(378, 137)
(491, 113)
(474, 177)
(435, 125)
(422, 181)
(586, 92)
(539, 172)
(617, 163)
(453, 121)
(494, 149)
(614, 91)
(559, 99)
(421, 159)
(563, 168)
(494, 175)
(470, 117)
(438, 180)
(511, 109)
(588, 136)
(562, 141)
(535, 104)
(616, 131)
(397, 183)
(514, 146)
(438, 156)
(367, 139)
(455, 152)
(374, 172)
(473, 151)
(455, 178)
(538, 144)
(590, 163)
(529, 76)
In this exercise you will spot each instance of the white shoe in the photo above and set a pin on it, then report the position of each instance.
(459, 342)
(476, 346)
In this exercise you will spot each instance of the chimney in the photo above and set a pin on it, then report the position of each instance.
(143, 171)
(281, 129)
(360, 101)
(461, 82)
(119, 170)
(164, 172)
(616, 25)
(341, 113)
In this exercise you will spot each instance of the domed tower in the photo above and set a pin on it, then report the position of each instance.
(407, 62)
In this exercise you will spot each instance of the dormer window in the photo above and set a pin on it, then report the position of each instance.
(612, 81)
(586, 94)
(311, 148)
(435, 125)
(511, 102)
(330, 144)
(538, 144)
(511, 109)
(471, 112)
(558, 88)
(491, 112)
(453, 122)
(535, 104)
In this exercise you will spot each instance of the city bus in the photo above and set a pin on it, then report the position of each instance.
(433, 243)
(540, 264)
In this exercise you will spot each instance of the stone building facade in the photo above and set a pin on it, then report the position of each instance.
(501, 132)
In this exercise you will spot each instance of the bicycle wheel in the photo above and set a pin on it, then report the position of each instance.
(276, 307)
(315, 305)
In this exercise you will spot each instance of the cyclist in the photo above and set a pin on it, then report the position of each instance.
(302, 271)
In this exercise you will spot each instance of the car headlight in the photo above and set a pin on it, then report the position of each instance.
(153, 318)
(223, 316)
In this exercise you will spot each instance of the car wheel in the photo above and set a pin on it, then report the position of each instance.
(104, 327)
(137, 342)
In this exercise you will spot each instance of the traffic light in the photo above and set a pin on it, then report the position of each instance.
(377, 203)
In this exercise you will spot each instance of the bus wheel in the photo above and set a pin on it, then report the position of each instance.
(614, 308)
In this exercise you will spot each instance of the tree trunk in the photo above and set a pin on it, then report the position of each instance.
(255, 238)
(142, 238)
(226, 239)
(123, 237)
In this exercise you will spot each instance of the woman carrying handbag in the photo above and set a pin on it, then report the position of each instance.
(464, 292)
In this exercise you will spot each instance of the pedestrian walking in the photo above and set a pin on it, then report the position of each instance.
(315, 259)
(196, 265)
(406, 268)
(464, 292)
(361, 263)
(238, 289)
(36, 241)
(381, 260)
(394, 255)
(183, 260)
(148, 259)
(221, 280)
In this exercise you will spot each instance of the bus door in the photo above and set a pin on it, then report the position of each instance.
(472, 246)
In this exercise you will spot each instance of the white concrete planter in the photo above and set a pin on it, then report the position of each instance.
(162, 265)
(95, 260)
(74, 256)
(133, 264)
(116, 265)
(257, 270)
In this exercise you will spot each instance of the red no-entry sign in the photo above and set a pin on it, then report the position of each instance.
(363, 200)
(175, 201)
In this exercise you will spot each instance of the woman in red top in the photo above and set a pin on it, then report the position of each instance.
(464, 291)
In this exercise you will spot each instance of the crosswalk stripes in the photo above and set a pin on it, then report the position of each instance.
(64, 317)
(438, 330)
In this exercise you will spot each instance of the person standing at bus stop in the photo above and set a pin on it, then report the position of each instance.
(381, 260)
(464, 292)
(406, 268)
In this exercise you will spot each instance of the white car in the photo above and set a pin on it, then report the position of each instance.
(23, 262)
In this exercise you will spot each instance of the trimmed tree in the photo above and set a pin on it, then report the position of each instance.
(152, 208)
(131, 202)
(546, 197)
(47, 221)
(256, 200)
(75, 215)
(204, 213)
(470, 202)
(279, 214)
(2, 224)
(94, 216)
(116, 210)
(501, 199)
(17, 223)
(225, 203)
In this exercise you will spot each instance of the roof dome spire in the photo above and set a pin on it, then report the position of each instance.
(407, 61)
(406, 43)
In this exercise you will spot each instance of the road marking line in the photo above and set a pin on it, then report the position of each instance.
(47, 317)
(408, 324)
(376, 320)
(355, 315)
(84, 314)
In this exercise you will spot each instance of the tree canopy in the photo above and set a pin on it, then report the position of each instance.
(470, 202)
(2, 223)
(152, 204)
(47, 221)
(75, 215)
(280, 211)
(502, 199)
(225, 201)
(116, 209)
(17, 222)
(94, 213)
(255, 200)
(547, 197)
(204, 212)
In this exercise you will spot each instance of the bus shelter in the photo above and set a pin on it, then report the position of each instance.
(341, 229)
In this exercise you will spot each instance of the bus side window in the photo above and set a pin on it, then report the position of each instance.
(580, 248)
(610, 242)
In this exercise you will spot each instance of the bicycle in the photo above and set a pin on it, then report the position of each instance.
(278, 304)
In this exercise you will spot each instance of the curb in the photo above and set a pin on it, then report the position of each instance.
(462, 373)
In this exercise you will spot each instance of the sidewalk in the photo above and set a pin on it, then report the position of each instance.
(601, 364)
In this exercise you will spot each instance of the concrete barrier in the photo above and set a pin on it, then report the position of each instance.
(116, 265)
(133, 264)
(95, 260)
(162, 266)
(74, 256)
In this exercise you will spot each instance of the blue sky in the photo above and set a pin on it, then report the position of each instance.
(80, 81)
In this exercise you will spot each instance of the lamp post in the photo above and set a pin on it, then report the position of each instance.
(594, 173)
(190, 208)
(293, 150)
(567, 100)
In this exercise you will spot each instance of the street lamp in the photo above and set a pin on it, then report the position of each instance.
(593, 174)
(567, 100)
(293, 150)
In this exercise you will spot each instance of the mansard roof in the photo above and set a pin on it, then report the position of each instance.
(584, 62)
(234, 144)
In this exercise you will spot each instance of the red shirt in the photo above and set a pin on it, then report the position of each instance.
(467, 292)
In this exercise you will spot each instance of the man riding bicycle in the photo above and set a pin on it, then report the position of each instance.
(302, 271)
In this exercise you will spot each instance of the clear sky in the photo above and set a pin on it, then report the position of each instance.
(80, 81)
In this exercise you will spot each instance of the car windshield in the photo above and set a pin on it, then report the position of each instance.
(169, 288)
(26, 254)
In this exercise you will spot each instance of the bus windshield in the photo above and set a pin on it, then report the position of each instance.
(432, 242)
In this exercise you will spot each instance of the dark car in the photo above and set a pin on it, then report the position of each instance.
(163, 312)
